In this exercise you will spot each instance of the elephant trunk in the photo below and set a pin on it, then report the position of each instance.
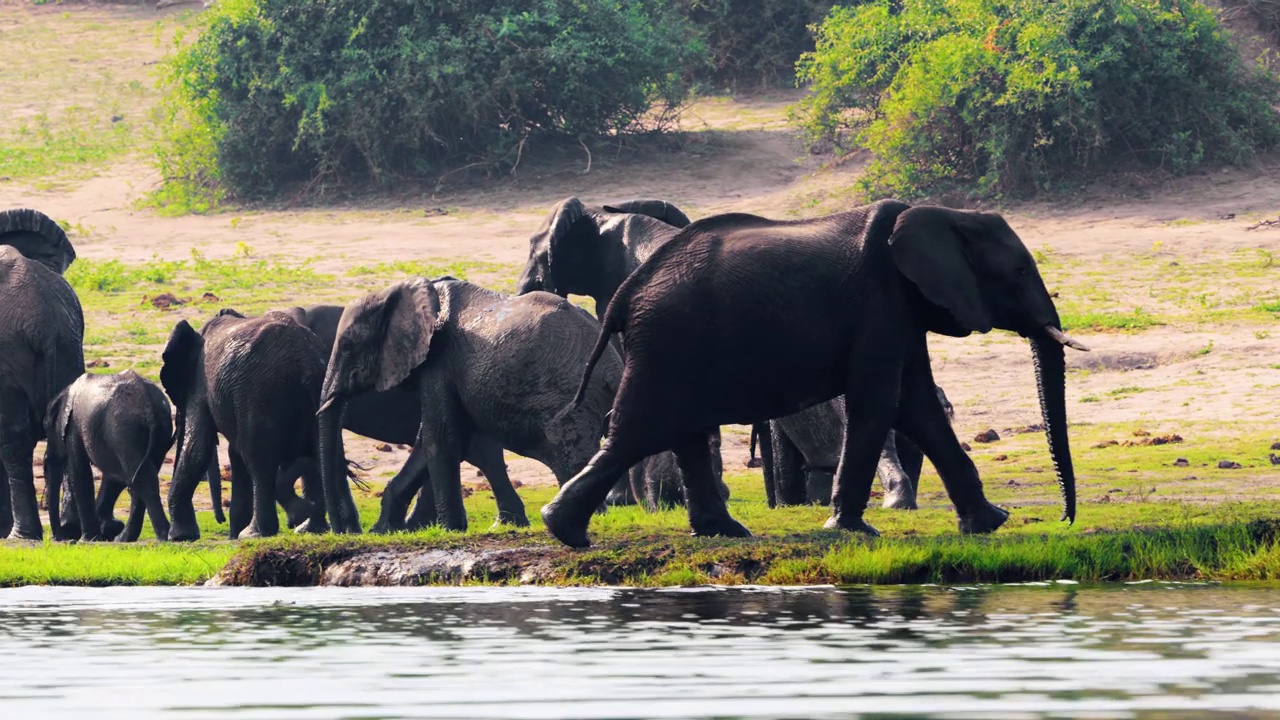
(1050, 363)
(333, 468)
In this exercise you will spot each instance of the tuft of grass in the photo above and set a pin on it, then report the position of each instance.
(102, 564)
(1139, 319)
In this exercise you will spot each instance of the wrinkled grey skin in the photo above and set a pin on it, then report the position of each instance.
(482, 362)
(119, 424)
(851, 299)
(257, 382)
(41, 352)
(656, 483)
(393, 417)
(805, 450)
(581, 250)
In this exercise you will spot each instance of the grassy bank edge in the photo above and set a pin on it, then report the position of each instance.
(1238, 551)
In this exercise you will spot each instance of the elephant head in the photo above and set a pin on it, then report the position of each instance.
(381, 339)
(37, 237)
(585, 251)
(972, 273)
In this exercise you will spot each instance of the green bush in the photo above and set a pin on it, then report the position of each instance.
(275, 91)
(1013, 96)
(754, 42)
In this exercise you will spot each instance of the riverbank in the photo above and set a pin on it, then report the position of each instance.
(1141, 525)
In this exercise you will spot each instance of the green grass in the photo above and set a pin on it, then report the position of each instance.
(1140, 516)
(1101, 320)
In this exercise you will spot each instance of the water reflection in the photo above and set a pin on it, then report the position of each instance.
(1151, 651)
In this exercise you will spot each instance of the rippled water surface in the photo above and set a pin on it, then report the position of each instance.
(1145, 651)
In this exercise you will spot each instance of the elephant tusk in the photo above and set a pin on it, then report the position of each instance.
(1065, 339)
(325, 405)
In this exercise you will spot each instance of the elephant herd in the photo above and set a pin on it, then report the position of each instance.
(812, 332)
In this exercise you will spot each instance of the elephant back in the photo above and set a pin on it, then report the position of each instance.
(37, 237)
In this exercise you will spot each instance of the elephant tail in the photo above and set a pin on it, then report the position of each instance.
(607, 329)
(146, 458)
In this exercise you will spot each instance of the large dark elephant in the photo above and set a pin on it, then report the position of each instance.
(121, 425)
(481, 362)
(41, 352)
(851, 298)
(393, 416)
(257, 382)
(804, 448)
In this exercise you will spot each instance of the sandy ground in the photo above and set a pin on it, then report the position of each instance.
(741, 157)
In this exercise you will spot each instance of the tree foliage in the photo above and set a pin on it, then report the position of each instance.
(1013, 96)
(274, 91)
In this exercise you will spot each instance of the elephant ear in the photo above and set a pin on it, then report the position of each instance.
(410, 317)
(568, 212)
(58, 419)
(182, 361)
(928, 247)
(658, 209)
(381, 339)
(37, 237)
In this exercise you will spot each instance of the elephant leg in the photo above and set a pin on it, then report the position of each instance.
(296, 509)
(80, 473)
(922, 419)
(708, 514)
(788, 468)
(871, 402)
(763, 435)
(313, 493)
(486, 454)
(214, 480)
(108, 495)
(639, 488)
(241, 494)
(199, 448)
(149, 491)
(264, 469)
(17, 449)
(398, 493)
(899, 485)
(444, 457)
(621, 493)
(133, 526)
(818, 486)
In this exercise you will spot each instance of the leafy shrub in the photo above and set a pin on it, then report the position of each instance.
(1010, 96)
(754, 42)
(275, 91)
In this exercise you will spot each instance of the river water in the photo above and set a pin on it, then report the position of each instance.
(1136, 651)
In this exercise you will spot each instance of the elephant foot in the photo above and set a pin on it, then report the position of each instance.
(718, 526)
(900, 501)
(179, 532)
(382, 527)
(16, 534)
(312, 526)
(564, 524)
(511, 519)
(619, 497)
(851, 524)
(985, 519)
(249, 533)
(112, 528)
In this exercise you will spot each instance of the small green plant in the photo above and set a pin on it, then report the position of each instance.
(1204, 350)
(1014, 96)
(1139, 319)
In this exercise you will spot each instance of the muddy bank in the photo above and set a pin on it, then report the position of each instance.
(1222, 552)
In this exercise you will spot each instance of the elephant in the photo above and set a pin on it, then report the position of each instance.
(805, 447)
(851, 299)
(393, 416)
(481, 362)
(121, 425)
(655, 481)
(590, 251)
(582, 250)
(42, 334)
(257, 382)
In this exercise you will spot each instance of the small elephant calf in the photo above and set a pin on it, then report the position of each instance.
(656, 481)
(121, 425)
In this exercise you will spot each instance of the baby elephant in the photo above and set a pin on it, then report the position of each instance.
(119, 424)
(656, 481)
